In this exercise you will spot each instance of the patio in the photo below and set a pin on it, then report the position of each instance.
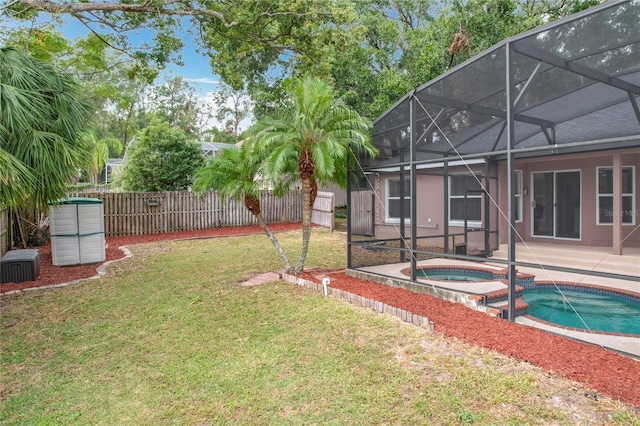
(597, 259)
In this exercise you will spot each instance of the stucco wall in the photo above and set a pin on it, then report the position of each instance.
(592, 234)
(430, 210)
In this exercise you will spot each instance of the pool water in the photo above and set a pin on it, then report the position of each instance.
(599, 312)
(458, 276)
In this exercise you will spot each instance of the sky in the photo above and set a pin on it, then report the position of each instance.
(196, 69)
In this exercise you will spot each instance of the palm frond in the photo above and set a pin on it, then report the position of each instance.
(16, 181)
(41, 124)
(317, 122)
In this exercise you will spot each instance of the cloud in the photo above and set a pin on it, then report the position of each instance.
(203, 80)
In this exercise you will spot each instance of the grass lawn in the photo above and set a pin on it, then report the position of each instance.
(169, 337)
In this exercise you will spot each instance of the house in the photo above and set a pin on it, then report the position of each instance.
(111, 168)
(212, 149)
(535, 140)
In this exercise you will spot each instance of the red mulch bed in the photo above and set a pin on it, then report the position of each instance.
(605, 371)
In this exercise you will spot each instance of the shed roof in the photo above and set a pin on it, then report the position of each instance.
(575, 86)
(76, 200)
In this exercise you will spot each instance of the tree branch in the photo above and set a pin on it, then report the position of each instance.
(104, 40)
(166, 7)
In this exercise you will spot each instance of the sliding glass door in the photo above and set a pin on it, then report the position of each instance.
(556, 204)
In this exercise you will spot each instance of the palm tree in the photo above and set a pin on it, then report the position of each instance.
(100, 154)
(312, 138)
(233, 174)
(41, 123)
(15, 180)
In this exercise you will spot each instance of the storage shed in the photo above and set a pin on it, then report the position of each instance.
(77, 231)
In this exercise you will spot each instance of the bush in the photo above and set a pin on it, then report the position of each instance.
(161, 159)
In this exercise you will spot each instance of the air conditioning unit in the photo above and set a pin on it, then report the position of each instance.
(20, 265)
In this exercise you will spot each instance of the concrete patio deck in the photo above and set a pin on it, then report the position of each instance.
(598, 259)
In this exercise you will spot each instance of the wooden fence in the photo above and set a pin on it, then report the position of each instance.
(4, 231)
(160, 212)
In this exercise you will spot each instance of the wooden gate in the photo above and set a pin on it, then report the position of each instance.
(362, 213)
(323, 212)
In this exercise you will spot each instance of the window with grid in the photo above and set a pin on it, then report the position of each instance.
(518, 185)
(605, 196)
(394, 203)
(459, 186)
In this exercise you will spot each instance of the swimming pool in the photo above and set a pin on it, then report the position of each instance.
(453, 273)
(467, 276)
(601, 310)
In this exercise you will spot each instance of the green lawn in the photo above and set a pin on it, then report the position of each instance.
(169, 337)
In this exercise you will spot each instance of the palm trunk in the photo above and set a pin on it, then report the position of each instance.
(306, 224)
(275, 242)
(253, 204)
(95, 175)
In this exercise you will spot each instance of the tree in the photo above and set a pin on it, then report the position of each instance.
(372, 51)
(232, 106)
(311, 139)
(250, 31)
(161, 159)
(41, 125)
(216, 135)
(112, 86)
(99, 157)
(118, 96)
(234, 174)
(16, 180)
(395, 46)
(175, 102)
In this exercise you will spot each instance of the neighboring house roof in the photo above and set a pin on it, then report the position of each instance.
(115, 162)
(211, 149)
(575, 87)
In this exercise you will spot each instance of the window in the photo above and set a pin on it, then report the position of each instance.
(393, 201)
(459, 185)
(605, 196)
(518, 184)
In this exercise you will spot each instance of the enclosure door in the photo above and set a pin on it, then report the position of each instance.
(556, 205)
(362, 212)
